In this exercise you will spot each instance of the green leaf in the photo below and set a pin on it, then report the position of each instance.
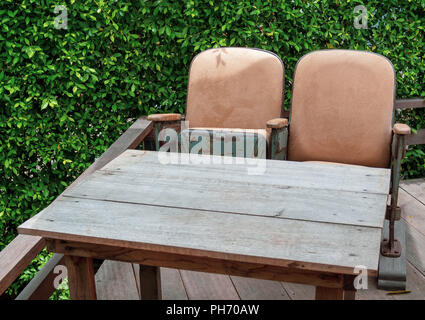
(30, 52)
(44, 104)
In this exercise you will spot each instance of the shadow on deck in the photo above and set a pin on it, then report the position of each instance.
(119, 280)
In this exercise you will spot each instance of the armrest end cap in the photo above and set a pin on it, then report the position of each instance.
(161, 117)
(277, 123)
(401, 129)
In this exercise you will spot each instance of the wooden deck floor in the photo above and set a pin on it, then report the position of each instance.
(119, 280)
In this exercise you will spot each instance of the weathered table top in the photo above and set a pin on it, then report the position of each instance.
(322, 217)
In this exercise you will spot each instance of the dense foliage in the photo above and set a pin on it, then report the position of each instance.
(67, 94)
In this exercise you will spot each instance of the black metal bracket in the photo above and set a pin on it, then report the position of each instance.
(391, 250)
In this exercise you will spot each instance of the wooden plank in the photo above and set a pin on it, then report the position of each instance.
(41, 287)
(16, 257)
(115, 281)
(409, 103)
(416, 188)
(172, 286)
(238, 194)
(293, 273)
(281, 173)
(208, 286)
(415, 248)
(297, 291)
(412, 211)
(257, 289)
(136, 268)
(416, 138)
(150, 283)
(314, 245)
(81, 281)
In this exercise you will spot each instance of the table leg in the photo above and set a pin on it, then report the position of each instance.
(349, 294)
(150, 283)
(323, 293)
(349, 289)
(81, 280)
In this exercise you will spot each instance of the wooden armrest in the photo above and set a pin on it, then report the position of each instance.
(409, 103)
(16, 257)
(41, 287)
(277, 123)
(161, 117)
(401, 129)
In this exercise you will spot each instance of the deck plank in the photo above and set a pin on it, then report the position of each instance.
(279, 192)
(235, 195)
(319, 246)
(413, 212)
(257, 289)
(298, 291)
(208, 286)
(415, 248)
(115, 281)
(172, 286)
(416, 188)
(288, 173)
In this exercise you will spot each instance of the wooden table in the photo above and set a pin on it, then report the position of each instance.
(309, 223)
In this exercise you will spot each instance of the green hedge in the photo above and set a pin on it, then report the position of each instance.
(66, 95)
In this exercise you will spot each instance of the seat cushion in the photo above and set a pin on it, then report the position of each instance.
(234, 88)
(260, 139)
(263, 132)
(342, 108)
(333, 163)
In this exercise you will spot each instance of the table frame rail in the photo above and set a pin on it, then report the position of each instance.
(329, 285)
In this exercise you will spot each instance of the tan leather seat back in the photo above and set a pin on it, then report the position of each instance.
(342, 108)
(234, 88)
